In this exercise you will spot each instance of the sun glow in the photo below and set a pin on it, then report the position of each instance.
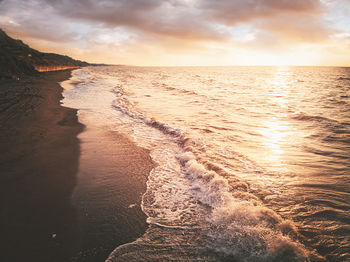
(277, 132)
(162, 33)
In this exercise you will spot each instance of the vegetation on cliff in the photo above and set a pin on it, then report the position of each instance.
(18, 59)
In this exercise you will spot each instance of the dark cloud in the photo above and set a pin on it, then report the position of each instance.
(34, 19)
(122, 12)
(200, 19)
(179, 19)
(172, 18)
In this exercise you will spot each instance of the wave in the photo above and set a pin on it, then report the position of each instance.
(194, 212)
(344, 78)
(238, 224)
(305, 117)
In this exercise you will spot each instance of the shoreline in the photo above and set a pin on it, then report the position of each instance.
(45, 191)
(111, 181)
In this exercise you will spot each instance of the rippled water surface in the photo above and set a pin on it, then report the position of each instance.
(253, 162)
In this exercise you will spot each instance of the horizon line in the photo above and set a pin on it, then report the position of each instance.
(102, 64)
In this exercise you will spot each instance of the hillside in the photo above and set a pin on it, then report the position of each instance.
(17, 59)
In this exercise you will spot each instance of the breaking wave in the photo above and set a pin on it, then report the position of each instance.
(225, 219)
(210, 198)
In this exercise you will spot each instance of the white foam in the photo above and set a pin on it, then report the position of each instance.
(182, 193)
(239, 227)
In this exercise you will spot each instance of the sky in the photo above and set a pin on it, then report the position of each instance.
(185, 32)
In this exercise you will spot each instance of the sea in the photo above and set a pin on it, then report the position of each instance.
(252, 163)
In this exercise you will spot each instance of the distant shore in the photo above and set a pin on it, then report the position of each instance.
(40, 154)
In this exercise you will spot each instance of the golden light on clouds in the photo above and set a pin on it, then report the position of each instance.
(183, 32)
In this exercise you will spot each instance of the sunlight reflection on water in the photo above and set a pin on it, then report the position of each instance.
(284, 131)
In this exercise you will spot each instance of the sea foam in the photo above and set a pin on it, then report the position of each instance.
(194, 211)
(239, 227)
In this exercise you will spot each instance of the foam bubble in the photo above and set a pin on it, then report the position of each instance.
(238, 225)
(187, 195)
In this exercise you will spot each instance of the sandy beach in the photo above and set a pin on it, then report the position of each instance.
(174, 130)
(53, 208)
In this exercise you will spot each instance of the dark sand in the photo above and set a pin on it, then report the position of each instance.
(50, 208)
(112, 177)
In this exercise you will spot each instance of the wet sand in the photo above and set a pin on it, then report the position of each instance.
(112, 177)
(52, 208)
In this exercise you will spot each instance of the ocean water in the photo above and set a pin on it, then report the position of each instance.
(253, 163)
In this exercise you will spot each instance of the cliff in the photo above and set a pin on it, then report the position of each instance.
(18, 59)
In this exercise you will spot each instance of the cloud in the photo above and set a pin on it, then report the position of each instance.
(303, 30)
(172, 25)
(237, 11)
(34, 19)
(172, 18)
(300, 20)
(182, 19)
